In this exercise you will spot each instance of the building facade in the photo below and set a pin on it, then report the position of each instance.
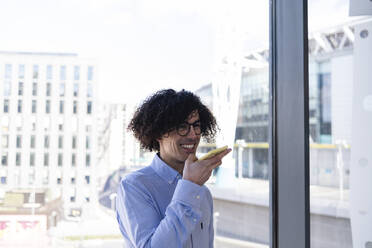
(48, 129)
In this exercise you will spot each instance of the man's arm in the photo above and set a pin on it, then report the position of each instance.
(142, 223)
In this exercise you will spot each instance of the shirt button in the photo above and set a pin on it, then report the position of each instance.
(198, 197)
(194, 220)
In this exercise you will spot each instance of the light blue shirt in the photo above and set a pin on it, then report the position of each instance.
(156, 208)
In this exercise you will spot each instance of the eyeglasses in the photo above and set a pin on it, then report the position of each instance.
(184, 128)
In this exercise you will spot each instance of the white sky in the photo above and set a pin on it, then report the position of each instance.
(145, 45)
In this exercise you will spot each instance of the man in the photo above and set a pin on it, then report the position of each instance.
(166, 205)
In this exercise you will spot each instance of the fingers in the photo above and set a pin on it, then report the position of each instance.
(217, 159)
(191, 158)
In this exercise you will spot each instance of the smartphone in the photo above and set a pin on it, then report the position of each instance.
(213, 153)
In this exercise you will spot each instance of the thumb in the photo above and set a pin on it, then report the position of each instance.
(191, 158)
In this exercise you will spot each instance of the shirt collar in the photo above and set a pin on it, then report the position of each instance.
(166, 172)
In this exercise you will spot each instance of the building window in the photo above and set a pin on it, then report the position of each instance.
(62, 72)
(76, 89)
(6, 106)
(73, 160)
(87, 142)
(8, 71)
(59, 180)
(46, 179)
(87, 160)
(20, 88)
(19, 141)
(33, 123)
(48, 89)
(32, 159)
(72, 199)
(47, 106)
(33, 110)
(60, 142)
(46, 159)
(60, 159)
(73, 181)
(49, 72)
(90, 73)
(19, 123)
(19, 108)
(18, 159)
(7, 88)
(74, 142)
(89, 107)
(61, 107)
(89, 90)
(88, 128)
(87, 179)
(4, 141)
(35, 73)
(32, 141)
(62, 89)
(87, 199)
(34, 89)
(3, 180)
(76, 72)
(46, 141)
(21, 71)
(74, 110)
(4, 158)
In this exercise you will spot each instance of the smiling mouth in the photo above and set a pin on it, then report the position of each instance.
(188, 147)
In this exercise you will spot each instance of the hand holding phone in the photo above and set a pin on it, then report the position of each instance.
(213, 153)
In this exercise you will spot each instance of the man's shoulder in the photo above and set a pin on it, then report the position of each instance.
(139, 177)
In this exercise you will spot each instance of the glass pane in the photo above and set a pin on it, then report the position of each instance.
(216, 50)
(340, 51)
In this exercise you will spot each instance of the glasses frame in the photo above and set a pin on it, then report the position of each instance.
(196, 126)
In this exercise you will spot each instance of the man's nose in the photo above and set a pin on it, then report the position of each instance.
(192, 132)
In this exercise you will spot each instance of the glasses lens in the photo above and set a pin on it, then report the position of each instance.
(183, 129)
(197, 128)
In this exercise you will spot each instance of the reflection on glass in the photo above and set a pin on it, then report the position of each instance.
(339, 127)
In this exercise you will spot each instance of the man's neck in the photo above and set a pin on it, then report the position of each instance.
(173, 164)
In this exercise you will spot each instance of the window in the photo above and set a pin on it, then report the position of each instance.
(33, 123)
(76, 89)
(18, 159)
(32, 141)
(74, 142)
(60, 159)
(47, 106)
(34, 89)
(73, 160)
(72, 198)
(60, 124)
(89, 107)
(5, 141)
(73, 181)
(75, 106)
(3, 180)
(46, 159)
(19, 123)
(62, 89)
(62, 72)
(6, 106)
(59, 180)
(21, 71)
(87, 199)
(46, 141)
(49, 72)
(8, 71)
(89, 90)
(90, 73)
(4, 158)
(61, 107)
(60, 142)
(88, 128)
(33, 109)
(87, 160)
(20, 88)
(48, 89)
(19, 141)
(19, 107)
(32, 159)
(7, 88)
(87, 179)
(5, 123)
(87, 142)
(46, 178)
(76, 73)
(35, 74)
(31, 178)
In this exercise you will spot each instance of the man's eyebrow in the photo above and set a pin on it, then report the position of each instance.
(193, 122)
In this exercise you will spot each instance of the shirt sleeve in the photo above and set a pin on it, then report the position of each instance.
(141, 223)
(211, 227)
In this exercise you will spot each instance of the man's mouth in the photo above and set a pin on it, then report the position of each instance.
(188, 147)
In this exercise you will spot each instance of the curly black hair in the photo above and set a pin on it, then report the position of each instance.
(163, 111)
